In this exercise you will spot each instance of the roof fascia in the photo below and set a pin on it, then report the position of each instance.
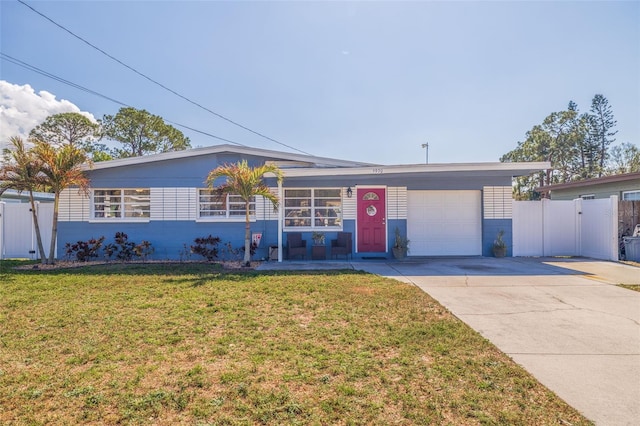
(165, 156)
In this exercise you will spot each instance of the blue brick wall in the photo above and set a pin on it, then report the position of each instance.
(168, 238)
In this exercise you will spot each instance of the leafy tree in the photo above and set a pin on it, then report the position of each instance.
(624, 158)
(71, 128)
(555, 140)
(61, 168)
(575, 144)
(141, 133)
(21, 171)
(246, 182)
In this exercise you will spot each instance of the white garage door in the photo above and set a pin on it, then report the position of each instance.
(444, 223)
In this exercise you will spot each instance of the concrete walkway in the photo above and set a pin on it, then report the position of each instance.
(563, 320)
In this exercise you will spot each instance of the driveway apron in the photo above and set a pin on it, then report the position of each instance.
(564, 320)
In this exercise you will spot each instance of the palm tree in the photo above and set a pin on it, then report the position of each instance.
(61, 168)
(245, 182)
(21, 171)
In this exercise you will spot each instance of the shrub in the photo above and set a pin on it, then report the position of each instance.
(143, 249)
(84, 251)
(126, 250)
(206, 247)
(230, 253)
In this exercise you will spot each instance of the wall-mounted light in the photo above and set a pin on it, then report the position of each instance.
(349, 192)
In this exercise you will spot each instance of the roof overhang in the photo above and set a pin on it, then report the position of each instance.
(500, 169)
(591, 182)
(319, 162)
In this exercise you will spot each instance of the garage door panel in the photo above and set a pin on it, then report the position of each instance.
(444, 223)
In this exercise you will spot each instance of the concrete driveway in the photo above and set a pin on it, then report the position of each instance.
(563, 320)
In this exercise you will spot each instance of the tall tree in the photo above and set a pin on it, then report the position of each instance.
(61, 168)
(601, 124)
(21, 171)
(246, 182)
(555, 140)
(141, 133)
(624, 158)
(70, 128)
(575, 144)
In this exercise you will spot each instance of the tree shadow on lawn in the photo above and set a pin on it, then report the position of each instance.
(250, 275)
(197, 274)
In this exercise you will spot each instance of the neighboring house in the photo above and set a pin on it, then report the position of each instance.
(11, 196)
(626, 186)
(444, 209)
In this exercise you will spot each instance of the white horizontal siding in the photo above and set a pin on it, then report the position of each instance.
(349, 211)
(174, 203)
(497, 202)
(264, 207)
(397, 202)
(157, 203)
(73, 206)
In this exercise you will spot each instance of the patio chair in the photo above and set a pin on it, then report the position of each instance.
(341, 245)
(296, 246)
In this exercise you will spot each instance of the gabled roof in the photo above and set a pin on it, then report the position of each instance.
(623, 177)
(299, 165)
(275, 156)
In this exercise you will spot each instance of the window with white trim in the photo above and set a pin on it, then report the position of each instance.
(313, 208)
(588, 197)
(212, 206)
(121, 204)
(631, 195)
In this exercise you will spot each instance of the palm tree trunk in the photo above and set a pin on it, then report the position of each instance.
(54, 228)
(247, 236)
(34, 213)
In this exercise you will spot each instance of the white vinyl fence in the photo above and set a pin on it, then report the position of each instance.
(566, 228)
(17, 233)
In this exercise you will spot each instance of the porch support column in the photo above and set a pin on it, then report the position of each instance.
(280, 220)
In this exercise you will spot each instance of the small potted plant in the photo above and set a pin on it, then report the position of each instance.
(318, 238)
(400, 245)
(499, 246)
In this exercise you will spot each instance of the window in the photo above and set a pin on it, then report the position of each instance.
(313, 208)
(631, 196)
(212, 206)
(121, 204)
(588, 197)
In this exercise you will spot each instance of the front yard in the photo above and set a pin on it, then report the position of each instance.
(190, 344)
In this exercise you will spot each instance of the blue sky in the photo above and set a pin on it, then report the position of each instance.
(366, 81)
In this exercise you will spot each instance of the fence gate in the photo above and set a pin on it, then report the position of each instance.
(17, 233)
(566, 228)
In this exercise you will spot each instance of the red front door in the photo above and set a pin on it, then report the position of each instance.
(372, 219)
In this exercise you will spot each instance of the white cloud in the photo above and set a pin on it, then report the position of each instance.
(22, 109)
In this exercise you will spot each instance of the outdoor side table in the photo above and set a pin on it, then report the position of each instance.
(318, 252)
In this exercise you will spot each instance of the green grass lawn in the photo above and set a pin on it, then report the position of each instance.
(190, 344)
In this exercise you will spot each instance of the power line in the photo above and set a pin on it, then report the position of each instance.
(158, 83)
(37, 70)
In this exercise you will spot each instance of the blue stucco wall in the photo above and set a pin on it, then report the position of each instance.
(490, 229)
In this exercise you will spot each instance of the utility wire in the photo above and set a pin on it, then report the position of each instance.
(37, 70)
(158, 83)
